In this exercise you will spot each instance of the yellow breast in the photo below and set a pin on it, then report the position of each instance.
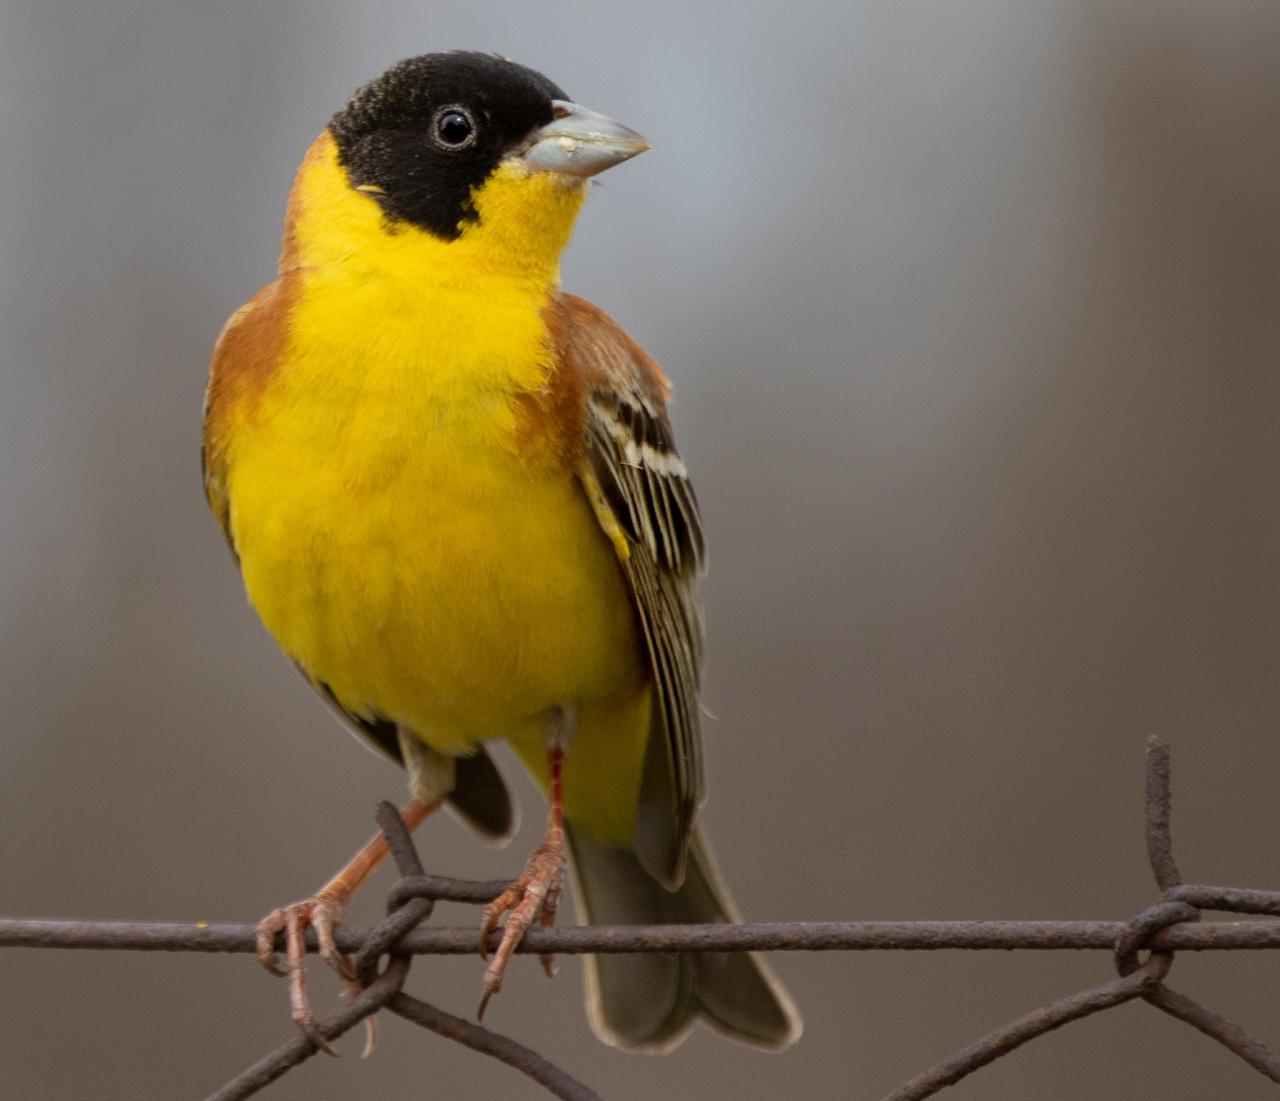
(402, 547)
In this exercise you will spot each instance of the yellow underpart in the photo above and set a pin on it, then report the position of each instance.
(395, 536)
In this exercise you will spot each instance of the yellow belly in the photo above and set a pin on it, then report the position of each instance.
(462, 606)
(402, 549)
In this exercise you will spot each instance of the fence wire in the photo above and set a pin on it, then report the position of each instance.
(1171, 925)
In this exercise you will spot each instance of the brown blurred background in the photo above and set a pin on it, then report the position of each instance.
(972, 312)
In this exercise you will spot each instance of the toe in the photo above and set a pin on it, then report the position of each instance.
(268, 929)
(307, 1023)
(499, 906)
(296, 954)
(325, 918)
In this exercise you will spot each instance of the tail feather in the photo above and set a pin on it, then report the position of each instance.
(648, 1002)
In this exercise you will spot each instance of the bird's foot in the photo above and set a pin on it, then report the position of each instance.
(323, 912)
(534, 896)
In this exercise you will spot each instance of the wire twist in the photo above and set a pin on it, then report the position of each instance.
(410, 903)
(1180, 904)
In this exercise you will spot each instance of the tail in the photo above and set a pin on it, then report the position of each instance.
(648, 1002)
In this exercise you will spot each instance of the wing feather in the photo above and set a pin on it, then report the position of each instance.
(630, 456)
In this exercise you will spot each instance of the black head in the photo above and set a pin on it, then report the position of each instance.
(426, 132)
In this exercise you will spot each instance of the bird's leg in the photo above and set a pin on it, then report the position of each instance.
(536, 894)
(324, 911)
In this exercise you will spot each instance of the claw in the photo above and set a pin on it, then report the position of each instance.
(327, 915)
(296, 953)
(268, 928)
(496, 909)
(323, 913)
(534, 896)
(547, 919)
(370, 1037)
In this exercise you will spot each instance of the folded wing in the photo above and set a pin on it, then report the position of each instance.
(644, 500)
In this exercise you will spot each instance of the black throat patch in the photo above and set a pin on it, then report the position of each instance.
(396, 137)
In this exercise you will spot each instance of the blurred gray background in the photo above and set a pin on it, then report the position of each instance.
(972, 313)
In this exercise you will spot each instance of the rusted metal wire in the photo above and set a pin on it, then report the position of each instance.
(1159, 812)
(786, 936)
(1036, 1023)
(409, 904)
(1145, 931)
(481, 1039)
(1216, 1026)
(1171, 925)
(301, 1047)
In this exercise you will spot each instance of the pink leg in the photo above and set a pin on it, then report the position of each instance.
(536, 894)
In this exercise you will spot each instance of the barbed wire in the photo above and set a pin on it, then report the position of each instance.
(1171, 925)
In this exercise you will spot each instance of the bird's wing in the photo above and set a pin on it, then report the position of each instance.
(248, 350)
(641, 492)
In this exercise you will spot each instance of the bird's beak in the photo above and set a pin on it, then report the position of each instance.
(578, 142)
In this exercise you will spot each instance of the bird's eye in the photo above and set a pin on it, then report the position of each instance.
(454, 128)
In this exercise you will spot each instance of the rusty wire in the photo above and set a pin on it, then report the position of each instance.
(1171, 925)
(782, 936)
(1180, 904)
(406, 909)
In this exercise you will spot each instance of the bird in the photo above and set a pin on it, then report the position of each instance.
(456, 504)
